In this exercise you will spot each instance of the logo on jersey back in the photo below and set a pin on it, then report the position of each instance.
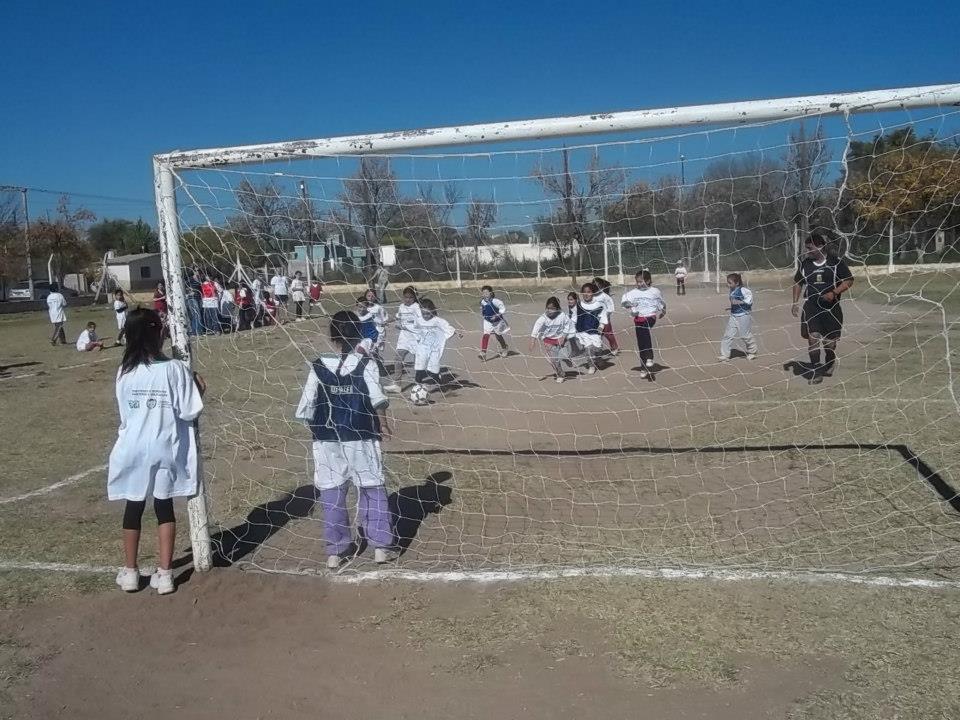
(341, 390)
(818, 278)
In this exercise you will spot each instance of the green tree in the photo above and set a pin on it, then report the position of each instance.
(124, 237)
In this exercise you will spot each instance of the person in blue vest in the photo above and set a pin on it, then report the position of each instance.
(590, 320)
(344, 406)
(740, 324)
(493, 313)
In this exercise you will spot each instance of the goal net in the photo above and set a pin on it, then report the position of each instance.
(683, 462)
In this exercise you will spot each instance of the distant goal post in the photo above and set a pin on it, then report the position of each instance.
(679, 248)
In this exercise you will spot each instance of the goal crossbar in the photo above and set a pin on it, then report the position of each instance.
(741, 112)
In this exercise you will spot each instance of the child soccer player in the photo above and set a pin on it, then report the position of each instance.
(88, 339)
(432, 335)
(603, 295)
(408, 315)
(344, 407)
(298, 293)
(554, 329)
(269, 309)
(740, 324)
(120, 308)
(646, 304)
(681, 275)
(494, 323)
(316, 293)
(590, 319)
(156, 449)
(371, 317)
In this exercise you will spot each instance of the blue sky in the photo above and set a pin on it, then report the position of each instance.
(92, 90)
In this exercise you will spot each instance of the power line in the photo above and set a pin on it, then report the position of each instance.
(47, 191)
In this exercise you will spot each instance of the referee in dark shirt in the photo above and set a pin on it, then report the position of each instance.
(821, 279)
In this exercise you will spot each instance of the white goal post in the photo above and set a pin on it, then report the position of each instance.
(710, 244)
(168, 165)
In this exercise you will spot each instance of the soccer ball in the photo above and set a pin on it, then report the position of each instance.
(418, 395)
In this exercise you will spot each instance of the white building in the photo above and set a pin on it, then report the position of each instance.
(135, 272)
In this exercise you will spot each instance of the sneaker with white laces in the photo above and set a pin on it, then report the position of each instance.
(591, 370)
(615, 352)
(751, 356)
(128, 579)
(334, 562)
(162, 581)
(392, 387)
(482, 356)
(649, 363)
(644, 373)
(503, 353)
(560, 378)
(382, 555)
(722, 358)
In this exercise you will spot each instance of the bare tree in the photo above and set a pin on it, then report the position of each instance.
(580, 200)
(807, 162)
(481, 215)
(371, 202)
(65, 237)
(263, 221)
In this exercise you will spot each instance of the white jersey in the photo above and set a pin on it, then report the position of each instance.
(86, 337)
(280, 285)
(680, 272)
(647, 302)
(493, 312)
(432, 336)
(120, 308)
(298, 290)
(380, 318)
(156, 448)
(608, 303)
(56, 306)
(553, 328)
(257, 288)
(371, 376)
(407, 317)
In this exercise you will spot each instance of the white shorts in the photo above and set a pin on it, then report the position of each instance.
(121, 320)
(407, 341)
(499, 328)
(589, 340)
(356, 461)
(428, 358)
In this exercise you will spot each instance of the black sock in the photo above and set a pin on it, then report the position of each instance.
(814, 357)
(831, 357)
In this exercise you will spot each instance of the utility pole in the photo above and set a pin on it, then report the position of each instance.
(26, 241)
(308, 216)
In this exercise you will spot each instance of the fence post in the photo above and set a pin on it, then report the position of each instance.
(890, 249)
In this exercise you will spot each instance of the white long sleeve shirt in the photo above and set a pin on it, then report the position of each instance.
(553, 328)
(645, 302)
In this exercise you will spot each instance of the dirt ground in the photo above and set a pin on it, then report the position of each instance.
(739, 465)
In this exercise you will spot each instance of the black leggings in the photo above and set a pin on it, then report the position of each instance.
(133, 512)
(645, 338)
(422, 375)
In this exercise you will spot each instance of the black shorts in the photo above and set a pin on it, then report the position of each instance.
(824, 322)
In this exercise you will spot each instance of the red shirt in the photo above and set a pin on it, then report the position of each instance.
(315, 291)
(159, 302)
(208, 289)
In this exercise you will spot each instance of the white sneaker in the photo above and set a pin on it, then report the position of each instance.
(162, 581)
(382, 555)
(649, 363)
(722, 358)
(503, 353)
(482, 356)
(560, 378)
(591, 370)
(644, 373)
(751, 356)
(128, 579)
(334, 562)
(392, 387)
(615, 352)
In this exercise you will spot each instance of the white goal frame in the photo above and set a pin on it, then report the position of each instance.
(165, 166)
(711, 241)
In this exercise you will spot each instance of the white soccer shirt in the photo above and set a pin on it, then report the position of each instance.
(371, 376)
(554, 328)
(280, 285)
(297, 288)
(408, 317)
(608, 304)
(156, 448)
(644, 303)
(86, 337)
(56, 304)
(680, 272)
